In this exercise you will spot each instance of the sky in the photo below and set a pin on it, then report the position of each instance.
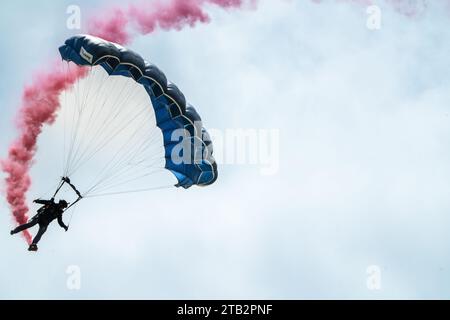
(363, 179)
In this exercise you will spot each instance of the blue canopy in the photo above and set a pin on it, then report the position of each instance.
(172, 112)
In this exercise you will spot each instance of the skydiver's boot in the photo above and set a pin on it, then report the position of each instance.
(33, 247)
(12, 232)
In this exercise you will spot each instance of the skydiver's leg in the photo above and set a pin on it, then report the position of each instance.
(41, 231)
(24, 226)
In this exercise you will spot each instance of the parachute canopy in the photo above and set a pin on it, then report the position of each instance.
(127, 110)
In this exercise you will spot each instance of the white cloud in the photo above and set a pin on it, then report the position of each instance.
(364, 175)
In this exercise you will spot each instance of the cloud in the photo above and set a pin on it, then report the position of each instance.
(363, 178)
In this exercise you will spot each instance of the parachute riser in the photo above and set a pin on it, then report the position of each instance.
(65, 180)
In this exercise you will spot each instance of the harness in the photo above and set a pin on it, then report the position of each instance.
(64, 180)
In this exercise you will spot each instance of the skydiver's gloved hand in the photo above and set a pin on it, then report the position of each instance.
(66, 228)
(66, 179)
(35, 201)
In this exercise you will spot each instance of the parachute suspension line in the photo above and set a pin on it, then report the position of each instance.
(94, 110)
(125, 163)
(119, 169)
(128, 171)
(74, 131)
(105, 188)
(102, 183)
(74, 108)
(101, 130)
(66, 71)
(105, 141)
(77, 118)
(87, 133)
(129, 192)
(65, 111)
(80, 107)
(81, 117)
(116, 167)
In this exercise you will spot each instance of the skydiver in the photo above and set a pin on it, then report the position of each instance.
(45, 215)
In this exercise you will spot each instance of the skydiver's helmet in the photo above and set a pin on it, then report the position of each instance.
(63, 204)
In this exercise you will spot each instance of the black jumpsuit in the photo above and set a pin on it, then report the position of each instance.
(49, 212)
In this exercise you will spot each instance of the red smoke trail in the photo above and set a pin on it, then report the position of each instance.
(40, 100)
(145, 18)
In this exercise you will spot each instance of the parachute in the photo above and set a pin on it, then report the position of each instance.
(125, 127)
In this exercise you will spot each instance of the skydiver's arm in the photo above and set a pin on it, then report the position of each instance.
(61, 222)
(44, 202)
